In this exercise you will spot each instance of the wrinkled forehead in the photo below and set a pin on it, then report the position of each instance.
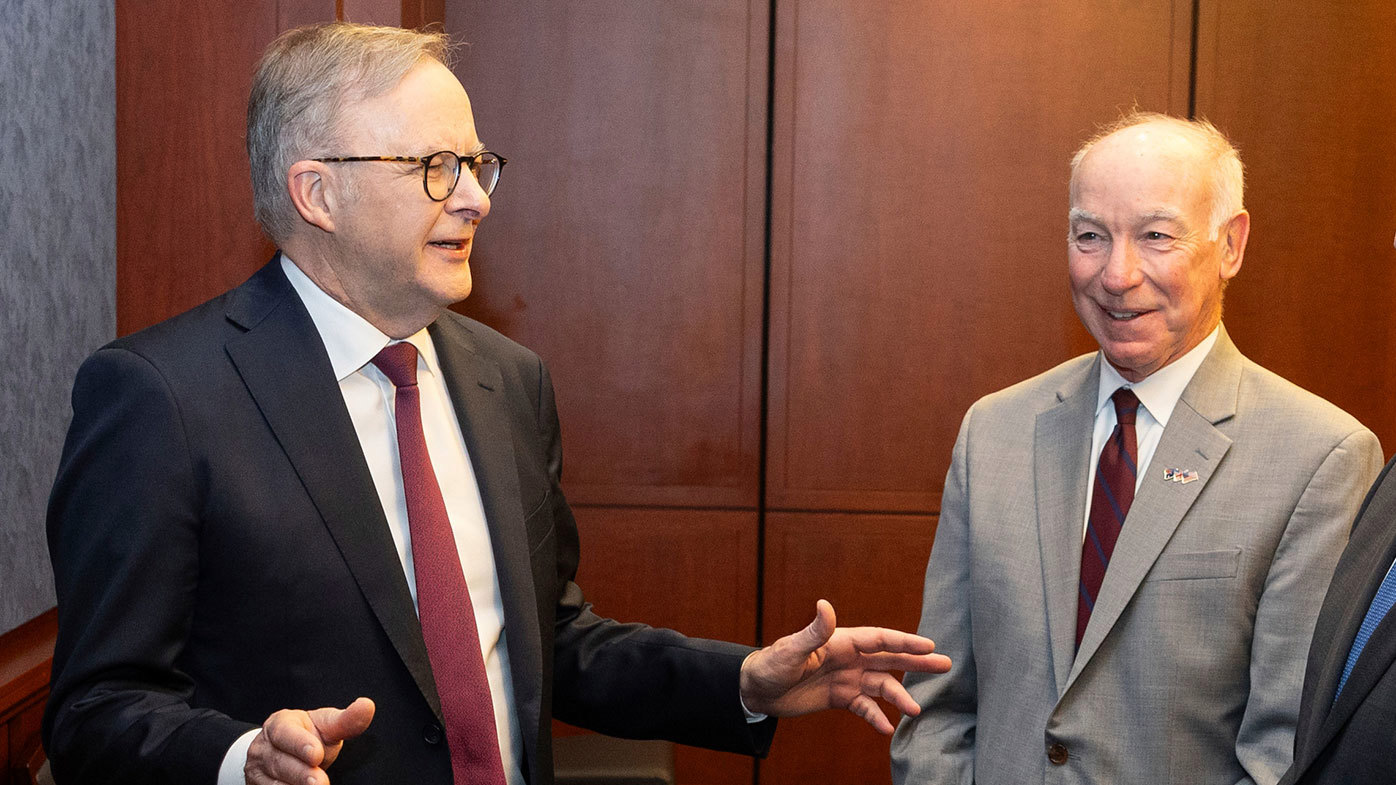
(1142, 170)
(428, 108)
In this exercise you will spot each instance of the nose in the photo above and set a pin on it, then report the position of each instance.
(1122, 271)
(469, 198)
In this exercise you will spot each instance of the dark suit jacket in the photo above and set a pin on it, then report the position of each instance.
(220, 552)
(1353, 741)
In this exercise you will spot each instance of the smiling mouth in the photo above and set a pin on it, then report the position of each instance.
(1123, 316)
(450, 245)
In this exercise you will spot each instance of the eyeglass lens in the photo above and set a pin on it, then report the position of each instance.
(443, 171)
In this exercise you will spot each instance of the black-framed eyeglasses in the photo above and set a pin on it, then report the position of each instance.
(441, 169)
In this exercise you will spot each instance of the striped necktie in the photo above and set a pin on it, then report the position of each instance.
(1110, 502)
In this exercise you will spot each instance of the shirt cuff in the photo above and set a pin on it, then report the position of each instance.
(230, 773)
(751, 718)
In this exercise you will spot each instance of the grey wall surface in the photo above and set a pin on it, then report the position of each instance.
(57, 258)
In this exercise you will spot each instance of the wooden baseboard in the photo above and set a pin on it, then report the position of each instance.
(26, 658)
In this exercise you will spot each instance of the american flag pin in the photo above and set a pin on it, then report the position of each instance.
(1183, 476)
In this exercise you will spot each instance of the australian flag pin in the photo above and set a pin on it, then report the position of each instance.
(1183, 476)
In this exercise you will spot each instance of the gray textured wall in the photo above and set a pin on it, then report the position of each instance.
(57, 258)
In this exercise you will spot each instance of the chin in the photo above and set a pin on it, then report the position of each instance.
(1129, 358)
(1134, 368)
(452, 291)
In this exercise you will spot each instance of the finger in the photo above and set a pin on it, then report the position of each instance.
(869, 640)
(336, 725)
(819, 631)
(258, 778)
(868, 709)
(917, 663)
(292, 733)
(284, 768)
(267, 765)
(881, 685)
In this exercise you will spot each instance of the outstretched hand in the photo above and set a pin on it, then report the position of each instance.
(827, 667)
(297, 746)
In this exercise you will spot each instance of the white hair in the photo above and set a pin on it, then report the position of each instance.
(305, 79)
(1227, 184)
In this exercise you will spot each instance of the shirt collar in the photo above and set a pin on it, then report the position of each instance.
(1159, 391)
(349, 339)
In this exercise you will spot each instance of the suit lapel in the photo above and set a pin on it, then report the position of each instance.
(1190, 441)
(1355, 583)
(1061, 459)
(477, 393)
(286, 370)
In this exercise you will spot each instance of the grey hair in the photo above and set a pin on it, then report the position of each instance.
(302, 84)
(1228, 184)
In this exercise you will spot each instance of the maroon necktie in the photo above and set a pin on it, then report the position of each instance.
(1110, 501)
(443, 601)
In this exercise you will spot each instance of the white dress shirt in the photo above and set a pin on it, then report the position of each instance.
(1158, 393)
(352, 343)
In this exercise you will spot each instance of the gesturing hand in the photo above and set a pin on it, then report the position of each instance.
(295, 747)
(827, 667)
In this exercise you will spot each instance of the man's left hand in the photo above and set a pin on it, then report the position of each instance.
(827, 667)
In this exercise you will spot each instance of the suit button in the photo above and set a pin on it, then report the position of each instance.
(431, 733)
(1057, 754)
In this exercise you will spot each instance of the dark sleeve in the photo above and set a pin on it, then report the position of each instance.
(123, 534)
(632, 680)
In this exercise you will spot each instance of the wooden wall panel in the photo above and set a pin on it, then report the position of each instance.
(420, 13)
(919, 219)
(1308, 93)
(184, 226)
(372, 12)
(691, 570)
(870, 567)
(626, 238)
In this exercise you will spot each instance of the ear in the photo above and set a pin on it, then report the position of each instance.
(1233, 239)
(309, 184)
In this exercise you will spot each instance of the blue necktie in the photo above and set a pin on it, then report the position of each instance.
(1386, 597)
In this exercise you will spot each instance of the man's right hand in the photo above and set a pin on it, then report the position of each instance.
(295, 747)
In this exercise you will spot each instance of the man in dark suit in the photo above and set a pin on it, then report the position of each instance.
(1347, 713)
(321, 489)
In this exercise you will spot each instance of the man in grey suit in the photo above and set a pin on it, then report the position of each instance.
(1128, 590)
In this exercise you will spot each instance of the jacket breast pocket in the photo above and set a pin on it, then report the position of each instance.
(1198, 565)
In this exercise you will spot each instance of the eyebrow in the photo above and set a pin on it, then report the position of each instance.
(478, 148)
(1077, 215)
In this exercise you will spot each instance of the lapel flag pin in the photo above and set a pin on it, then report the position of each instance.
(1183, 476)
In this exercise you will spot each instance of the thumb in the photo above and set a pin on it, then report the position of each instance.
(820, 630)
(336, 725)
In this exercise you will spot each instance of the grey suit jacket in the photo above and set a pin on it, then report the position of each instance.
(1190, 668)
